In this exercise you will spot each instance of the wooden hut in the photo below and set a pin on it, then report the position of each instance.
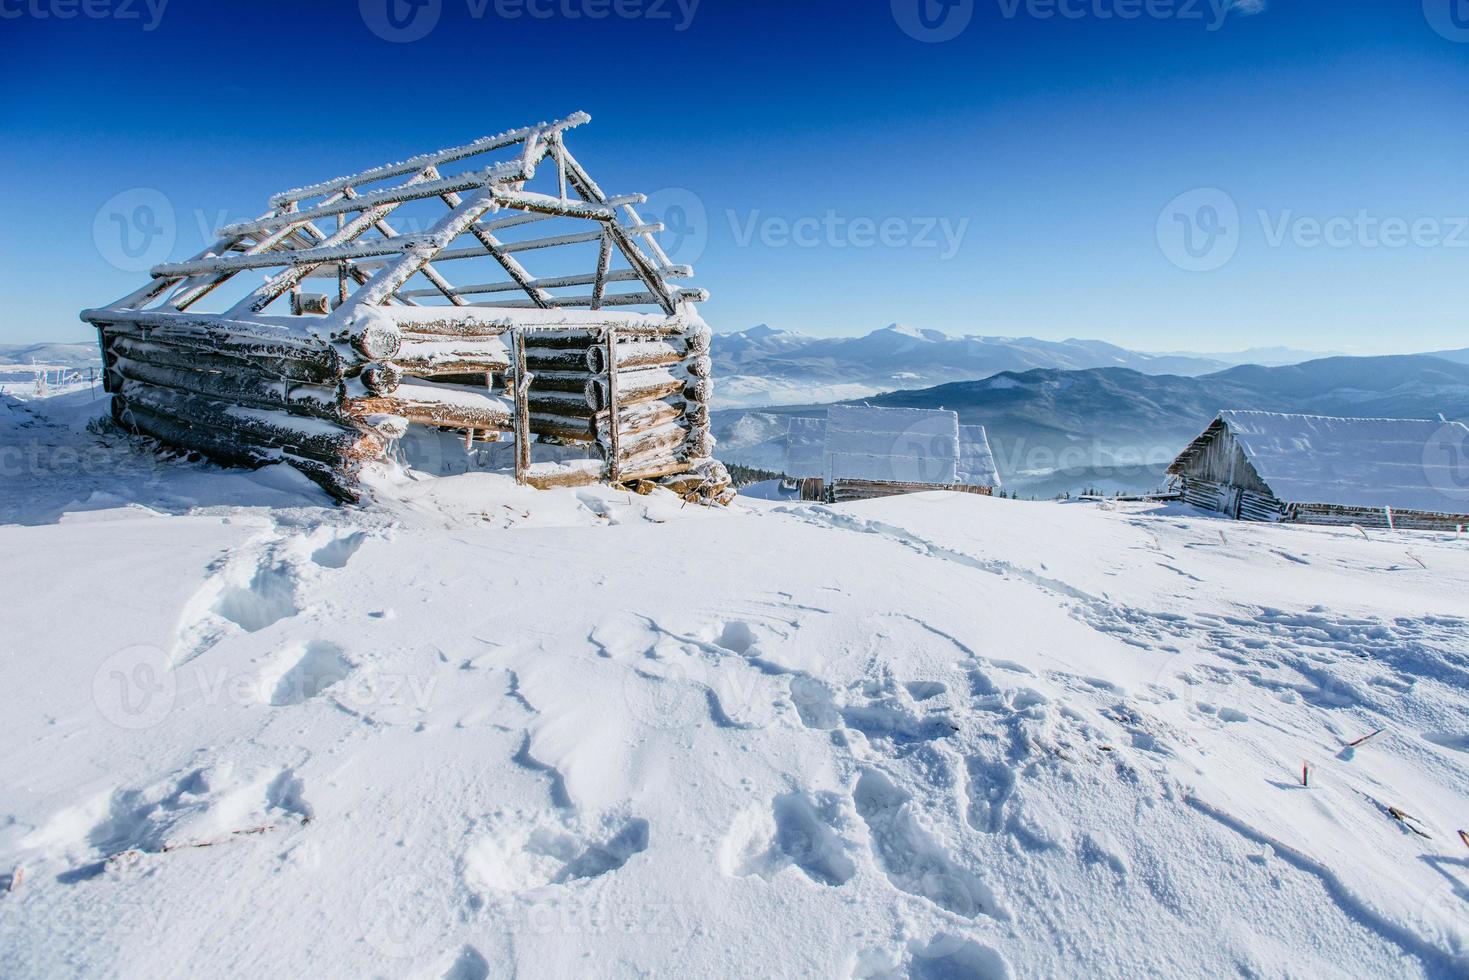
(1262, 466)
(352, 309)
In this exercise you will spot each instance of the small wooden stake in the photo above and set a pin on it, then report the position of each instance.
(1365, 739)
(1305, 774)
(1463, 836)
(1407, 821)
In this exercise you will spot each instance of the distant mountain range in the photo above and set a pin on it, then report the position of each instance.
(56, 355)
(765, 366)
(1117, 428)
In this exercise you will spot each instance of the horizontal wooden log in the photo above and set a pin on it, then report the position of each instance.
(326, 370)
(337, 479)
(562, 427)
(427, 359)
(560, 403)
(444, 406)
(311, 438)
(700, 367)
(636, 354)
(551, 478)
(567, 381)
(658, 439)
(376, 340)
(242, 385)
(557, 359)
(699, 391)
(638, 418)
(483, 380)
(381, 378)
(698, 342)
(634, 387)
(701, 442)
(222, 447)
(652, 468)
(229, 338)
(340, 482)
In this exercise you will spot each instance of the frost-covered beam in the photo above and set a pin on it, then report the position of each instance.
(496, 250)
(441, 285)
(616, 299)
(579, 238)
(411, 190)
(555, 282)
(555, 206)
(278, 284)
(297, 257)
(487, 144)
(529, 217)
(392, 277)
(603, 274)
(636, 257)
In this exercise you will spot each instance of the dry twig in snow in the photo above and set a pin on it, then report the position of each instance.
(1365, 738)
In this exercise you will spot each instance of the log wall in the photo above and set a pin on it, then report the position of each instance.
(638, 396)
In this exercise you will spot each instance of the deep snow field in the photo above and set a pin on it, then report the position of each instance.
(472, 730)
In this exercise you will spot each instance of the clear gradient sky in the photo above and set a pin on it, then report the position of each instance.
(833, 165)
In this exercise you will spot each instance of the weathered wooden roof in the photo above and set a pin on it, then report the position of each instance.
(446, 229)
(1407, 464)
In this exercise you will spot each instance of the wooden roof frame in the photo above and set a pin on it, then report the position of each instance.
(289, 244)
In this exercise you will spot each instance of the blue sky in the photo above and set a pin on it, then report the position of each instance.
(1147, 172)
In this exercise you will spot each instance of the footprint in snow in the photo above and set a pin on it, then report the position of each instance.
(799, 830)
(519, 853)
(300, 673)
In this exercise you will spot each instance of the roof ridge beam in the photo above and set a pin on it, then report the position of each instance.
(486, 144)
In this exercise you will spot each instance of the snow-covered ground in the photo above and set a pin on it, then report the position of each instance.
(473, 730)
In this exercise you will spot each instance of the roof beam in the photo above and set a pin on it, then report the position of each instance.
(556, 282)
(295, 257)
(413, 190)
(487, 144)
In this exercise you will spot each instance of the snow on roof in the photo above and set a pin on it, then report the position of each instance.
(1402, 463)
(905, 445)
(805, 447)
(976, 462)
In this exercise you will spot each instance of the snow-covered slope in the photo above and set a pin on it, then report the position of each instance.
(478, 731)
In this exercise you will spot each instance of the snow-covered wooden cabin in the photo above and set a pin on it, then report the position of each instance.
(1262, 466)
(353, 309)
